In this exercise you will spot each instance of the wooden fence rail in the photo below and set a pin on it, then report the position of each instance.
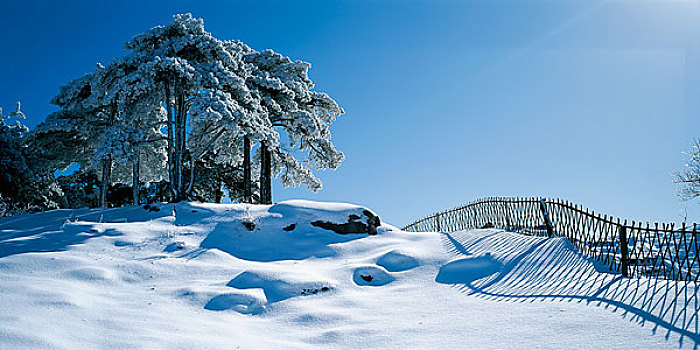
(631, 248)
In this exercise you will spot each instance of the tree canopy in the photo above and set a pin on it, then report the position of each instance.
(182, 104)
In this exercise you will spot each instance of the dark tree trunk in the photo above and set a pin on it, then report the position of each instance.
(268, 176)
(177, 156)
(135, 174)
(107, 164)
(106, 179)
(190, 186)
(219, 192)
(265, 174)
(181, 147)
(171, 135)
(263, 181)
(247, 190)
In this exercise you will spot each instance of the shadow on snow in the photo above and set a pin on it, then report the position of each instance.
(551, 270)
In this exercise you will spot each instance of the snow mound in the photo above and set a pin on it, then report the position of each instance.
(277, 289)
(90, 274)
(468, 270)
(291, 230)
(241, 303)
(395, 262)
(371, 276)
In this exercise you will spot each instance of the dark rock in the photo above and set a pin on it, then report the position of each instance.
(353, 225)
(153, 208)
(310, 291)
(367, 278)
(488, 225)
(146, 206)
(372, 222)
(290, 227)
(249, 225)
(348, 227)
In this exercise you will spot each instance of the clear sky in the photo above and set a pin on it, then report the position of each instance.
(446, 101)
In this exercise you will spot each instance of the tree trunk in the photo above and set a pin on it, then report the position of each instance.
(180, 144)
(171, 135)
(106, 176)
(247, 191)
(176, 151)
(263, 153)
(107, 164)
(265, 174)
(268, 176)
(219, 192)
(192, 175)
(135, 173)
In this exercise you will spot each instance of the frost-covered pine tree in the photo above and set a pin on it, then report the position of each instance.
(304, 115)
(21, 188)
(203, 90)
(205, 102)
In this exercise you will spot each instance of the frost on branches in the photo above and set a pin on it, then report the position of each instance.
(21, 189)
(689, 178)
(180, 105)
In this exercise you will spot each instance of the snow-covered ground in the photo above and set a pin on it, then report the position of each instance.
(192, 276)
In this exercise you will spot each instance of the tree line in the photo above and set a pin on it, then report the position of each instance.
(181, 116)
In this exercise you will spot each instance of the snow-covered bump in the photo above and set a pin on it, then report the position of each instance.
(394, 261)
(371, 276)
(342, 218)
(175, 246)
(276, 289)
(241, 303)
(469, 269)
(90, 274)
(123, 243)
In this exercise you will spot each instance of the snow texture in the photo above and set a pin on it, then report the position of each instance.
(194, 276)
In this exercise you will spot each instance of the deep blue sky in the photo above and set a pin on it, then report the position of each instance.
(446, 101)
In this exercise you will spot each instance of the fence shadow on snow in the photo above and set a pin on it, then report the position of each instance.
(633, 249)
(656, 255)
(540, 270)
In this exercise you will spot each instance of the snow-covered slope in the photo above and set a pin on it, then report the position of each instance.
(213, 276)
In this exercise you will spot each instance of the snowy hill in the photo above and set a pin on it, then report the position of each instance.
(215, 276)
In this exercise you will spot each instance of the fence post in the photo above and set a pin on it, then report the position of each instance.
(543, 207)
(623, 251)
(506, 213)
(437, 220)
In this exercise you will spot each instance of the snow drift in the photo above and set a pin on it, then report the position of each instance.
(220, 276)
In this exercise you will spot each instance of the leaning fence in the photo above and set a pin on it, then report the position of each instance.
(631, 248)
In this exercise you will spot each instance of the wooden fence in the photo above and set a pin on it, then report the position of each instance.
(630, 248)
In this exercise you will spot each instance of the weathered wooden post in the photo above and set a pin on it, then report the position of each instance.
(506, 213)
(547, 222)
(437, 220)
(624, 259)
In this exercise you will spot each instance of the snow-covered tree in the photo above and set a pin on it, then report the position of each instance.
(203, 90)
(689, 178)
(198, 97)
(21, 188)
(286, 93)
